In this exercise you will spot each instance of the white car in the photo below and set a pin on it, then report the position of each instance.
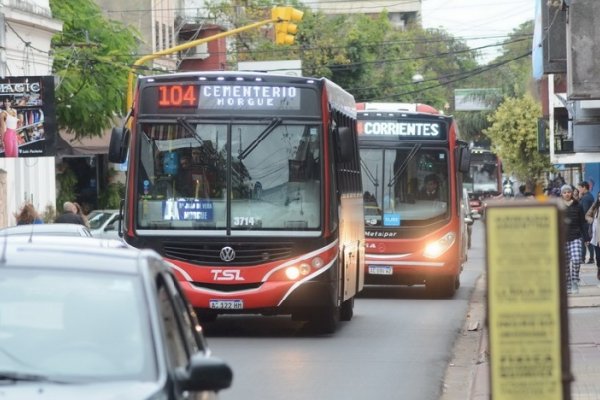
(54, 229)
(104, 223)
(86, 318)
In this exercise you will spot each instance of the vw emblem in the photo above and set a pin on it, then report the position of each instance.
(227, 254)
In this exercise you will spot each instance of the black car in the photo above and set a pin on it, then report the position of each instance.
(97, 322)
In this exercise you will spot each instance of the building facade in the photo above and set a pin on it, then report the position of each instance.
(400, 13)
(26, 30)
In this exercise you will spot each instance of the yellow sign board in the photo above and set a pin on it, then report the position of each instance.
(526, 315)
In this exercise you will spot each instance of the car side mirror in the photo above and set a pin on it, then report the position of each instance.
(204, 373)
(119, 141)
(469, 220)
(464, 157)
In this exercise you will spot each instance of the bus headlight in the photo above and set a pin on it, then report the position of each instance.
(440, 246)
(317, 262)
(292, 273)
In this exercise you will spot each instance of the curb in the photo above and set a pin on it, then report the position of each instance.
(460, 376)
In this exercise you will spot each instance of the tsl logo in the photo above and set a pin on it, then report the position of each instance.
(227, 275)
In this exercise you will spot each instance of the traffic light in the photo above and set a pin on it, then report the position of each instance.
(284, 29)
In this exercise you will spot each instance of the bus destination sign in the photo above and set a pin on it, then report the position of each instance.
(227, 97)
(216, 97)
(421, 130)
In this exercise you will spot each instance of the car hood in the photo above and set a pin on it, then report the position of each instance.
(122, 390)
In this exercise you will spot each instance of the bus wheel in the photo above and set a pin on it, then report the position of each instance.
(347, 310)
(325, 319)
(443, 287)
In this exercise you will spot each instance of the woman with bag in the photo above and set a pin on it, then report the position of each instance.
(592, 217)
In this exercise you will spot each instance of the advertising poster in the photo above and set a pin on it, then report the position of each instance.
(527, 323)
(27, 117)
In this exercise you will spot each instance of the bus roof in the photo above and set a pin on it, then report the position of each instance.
(337, 96)
(397, 107)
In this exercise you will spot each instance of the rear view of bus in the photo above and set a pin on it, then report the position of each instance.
(250, 185)
(412, 193)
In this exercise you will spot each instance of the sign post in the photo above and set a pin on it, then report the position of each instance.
(527, 310)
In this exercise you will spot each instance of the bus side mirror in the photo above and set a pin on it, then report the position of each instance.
(345, 140)
(464, 159)
(117, 149)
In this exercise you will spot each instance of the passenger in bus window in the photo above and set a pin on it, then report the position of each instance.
(431, 188)
(184, 184)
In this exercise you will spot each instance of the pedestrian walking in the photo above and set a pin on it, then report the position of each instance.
(586, 199)
(69, 215)
(574, 221)
(81, 214)
(592, 217)
(28, 215)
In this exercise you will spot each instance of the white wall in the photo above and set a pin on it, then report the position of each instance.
(27, 21)
(29, 179)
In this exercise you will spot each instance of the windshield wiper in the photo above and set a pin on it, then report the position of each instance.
(25, 377)
(404, 164)
(275, 122)
(189, 129)
(370, 175)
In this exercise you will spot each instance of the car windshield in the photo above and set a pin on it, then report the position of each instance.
(98, 218)
(74, 326)
(404, 186)
(240, 177)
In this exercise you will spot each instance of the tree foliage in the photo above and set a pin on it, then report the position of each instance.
(513, 131)
(91, 61)
(366, 56)
(510, 73)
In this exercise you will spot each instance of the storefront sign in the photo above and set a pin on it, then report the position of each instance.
(28, 120)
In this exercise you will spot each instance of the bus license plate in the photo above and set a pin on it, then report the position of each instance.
(226, 304)
(380, 270)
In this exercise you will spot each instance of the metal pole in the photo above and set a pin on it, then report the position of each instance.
(181, 47)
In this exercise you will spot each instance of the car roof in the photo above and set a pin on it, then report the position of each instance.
(86, 241)
(86, 254)
(108, 211)
(46, 229)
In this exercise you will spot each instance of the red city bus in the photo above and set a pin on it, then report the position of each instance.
(250, 185)
(414, 224)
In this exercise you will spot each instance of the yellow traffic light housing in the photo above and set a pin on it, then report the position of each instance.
(284, 29)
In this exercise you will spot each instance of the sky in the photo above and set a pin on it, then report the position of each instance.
(479, 22)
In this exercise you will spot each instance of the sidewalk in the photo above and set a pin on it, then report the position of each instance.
(584, 342)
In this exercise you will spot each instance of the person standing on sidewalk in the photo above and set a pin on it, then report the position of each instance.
(585, 202)
(592, 217)
(574, 218)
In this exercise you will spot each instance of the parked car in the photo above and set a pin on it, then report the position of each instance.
(104, 223)
(47, 230)
(97, 322)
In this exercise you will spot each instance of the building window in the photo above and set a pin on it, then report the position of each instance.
(156, 36)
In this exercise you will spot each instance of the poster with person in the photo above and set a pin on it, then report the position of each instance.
(27, 117)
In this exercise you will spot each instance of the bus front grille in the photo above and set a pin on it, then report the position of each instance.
(210, 253)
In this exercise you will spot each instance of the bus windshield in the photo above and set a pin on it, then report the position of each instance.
(273, 181)
(405, 186)
(484, 174)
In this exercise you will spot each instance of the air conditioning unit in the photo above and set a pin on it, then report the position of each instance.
(199, 52)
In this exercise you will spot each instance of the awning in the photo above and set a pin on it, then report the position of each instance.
(67, 145)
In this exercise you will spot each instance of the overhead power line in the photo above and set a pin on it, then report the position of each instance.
(468, 74)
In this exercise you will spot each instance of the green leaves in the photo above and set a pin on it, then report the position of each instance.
(513, 132)
(91, 61)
